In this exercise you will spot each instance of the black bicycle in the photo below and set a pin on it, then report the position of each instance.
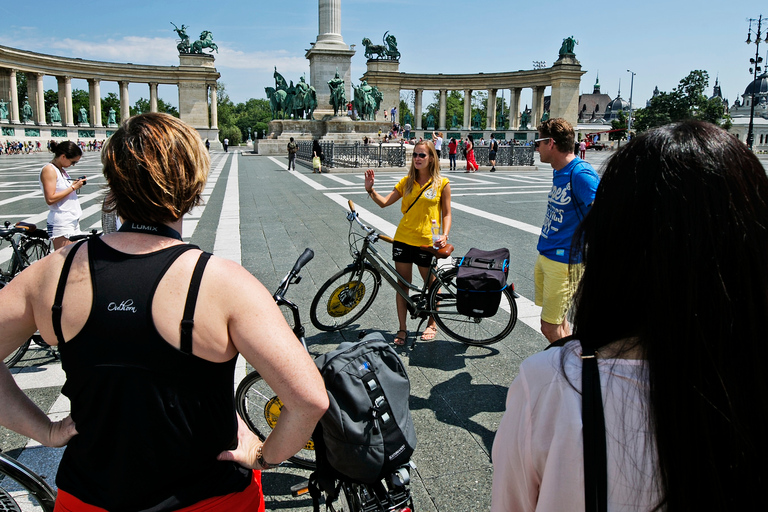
(28, 244)
(21, 489)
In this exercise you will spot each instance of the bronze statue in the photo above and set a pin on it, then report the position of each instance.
(205, 41)
(367, 100)
(454, 122)
(407, 118)
(26, 112)
(502, 120)
(338, 95)
(111, 116)
(276, 101)
(476, 121)
(374, 49)
(3, 110)
(525, 118)
(387, 50)
(55, 115)
(544, 116)
(430, 122)
(569, 43)
(390, 42)
(183, 46)
(82, 116)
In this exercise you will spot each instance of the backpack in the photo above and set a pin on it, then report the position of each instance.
(292, 147)
(481, 279)
(367, 432)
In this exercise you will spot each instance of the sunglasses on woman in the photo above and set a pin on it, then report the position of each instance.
(420, 155)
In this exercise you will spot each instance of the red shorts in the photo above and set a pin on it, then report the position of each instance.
(244, 501)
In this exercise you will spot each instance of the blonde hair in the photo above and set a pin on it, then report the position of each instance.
(434, 168)
(156, 167)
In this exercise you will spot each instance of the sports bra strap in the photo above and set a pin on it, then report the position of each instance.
(56, 308)
(188, 322)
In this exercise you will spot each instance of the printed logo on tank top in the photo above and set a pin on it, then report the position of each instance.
(430, 194)
(126, 305)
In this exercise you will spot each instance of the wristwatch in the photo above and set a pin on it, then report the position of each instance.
(260, 459)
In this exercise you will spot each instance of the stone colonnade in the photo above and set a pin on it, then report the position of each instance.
(195, 78)
(563, 77)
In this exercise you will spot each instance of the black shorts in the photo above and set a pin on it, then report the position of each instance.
(491, 155)
(405, 253)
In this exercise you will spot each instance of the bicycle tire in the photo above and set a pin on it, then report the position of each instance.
(339, 302)
(466, 329)
(260, 408)
(33, 250)
(23, 488)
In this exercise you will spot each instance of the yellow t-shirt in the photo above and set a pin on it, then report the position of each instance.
(415, 228)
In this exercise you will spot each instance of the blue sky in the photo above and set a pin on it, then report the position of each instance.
(661, 41)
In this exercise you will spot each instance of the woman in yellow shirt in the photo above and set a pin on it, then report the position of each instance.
(426, 197)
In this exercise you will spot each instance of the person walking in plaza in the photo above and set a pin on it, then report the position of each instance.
(494, 147)
(684, 390)
(293, 148)
(426, 198)
(574, 183)
(582, 149)
(149, 336)
(452, 150)
(226, 145)
(469, 148)
(437, 140)
(60, 192)
(317, 157)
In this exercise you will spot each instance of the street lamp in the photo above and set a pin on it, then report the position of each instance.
(756, 63)
(631, 87)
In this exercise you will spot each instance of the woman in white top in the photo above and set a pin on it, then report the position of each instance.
(437, 139)
(674, 299)
(60, 192)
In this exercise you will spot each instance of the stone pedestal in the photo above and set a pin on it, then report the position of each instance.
(340, 129)
(564, 100)
(323, 64)
(388, 82)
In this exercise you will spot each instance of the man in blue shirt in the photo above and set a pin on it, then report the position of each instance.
(574, 184)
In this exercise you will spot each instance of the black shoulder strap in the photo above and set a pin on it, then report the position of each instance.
(188, 321)
(418, 196)
(56, 308)
(593, 420)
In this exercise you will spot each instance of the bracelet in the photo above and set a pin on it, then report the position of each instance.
(260, 459)
(73, 188)
(370, 191)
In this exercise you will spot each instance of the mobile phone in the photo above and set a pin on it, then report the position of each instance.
(82, 178)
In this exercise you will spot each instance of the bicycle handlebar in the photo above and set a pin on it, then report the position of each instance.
(353, 215)
(305, 258)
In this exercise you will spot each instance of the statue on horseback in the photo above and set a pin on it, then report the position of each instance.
(387, 50)
(367, 100)
(286, 100)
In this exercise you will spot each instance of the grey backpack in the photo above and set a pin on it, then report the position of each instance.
(367, 432)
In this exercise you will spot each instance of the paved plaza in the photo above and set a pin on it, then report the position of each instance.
(264, 216)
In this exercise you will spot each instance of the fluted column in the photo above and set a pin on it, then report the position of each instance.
(94, 95)
(214, 107)
(329, 21)
(14, 99)
(514, 108)
(467, 123)
(490, 118)
(417, 108)
(152, 97)
(68, 108)
(535, 113)
(39, 98)
(125, 106)
(441, 116)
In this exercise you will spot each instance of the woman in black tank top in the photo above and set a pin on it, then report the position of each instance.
(149, 343)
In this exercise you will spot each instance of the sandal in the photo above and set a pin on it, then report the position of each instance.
(429, 333)
(400, 340)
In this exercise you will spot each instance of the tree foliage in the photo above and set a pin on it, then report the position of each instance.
(235, 119)
(686, 101)
(142, 105)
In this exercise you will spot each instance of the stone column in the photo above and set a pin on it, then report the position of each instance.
(514, 108)
(329, 21)
(68, 108)
(14, 97)
(153, 97)
(490, 118)
(417, 108)
(566, 77)
(467, 123)
(215, 107)
(94, 96)
(60, 86)
(441, 121)
(540, 106)
(33, 97)
(125, 106)
(535, 113)
(40, 100)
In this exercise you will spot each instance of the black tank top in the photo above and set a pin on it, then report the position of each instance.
(151, 419)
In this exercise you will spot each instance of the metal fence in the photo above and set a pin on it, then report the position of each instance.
(505, 156)
(354, 155)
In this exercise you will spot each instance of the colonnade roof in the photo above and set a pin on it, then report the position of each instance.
(32, 62)
(478, 81)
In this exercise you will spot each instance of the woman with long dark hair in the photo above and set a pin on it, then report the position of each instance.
(60, 192)
(674, 298)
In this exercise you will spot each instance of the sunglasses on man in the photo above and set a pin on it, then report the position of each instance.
(536, 142)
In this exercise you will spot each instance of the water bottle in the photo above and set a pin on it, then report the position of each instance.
(435, 234)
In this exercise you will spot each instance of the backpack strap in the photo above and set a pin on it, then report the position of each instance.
(56, 308)
(188, 321)
(593, 420)
(419, 196)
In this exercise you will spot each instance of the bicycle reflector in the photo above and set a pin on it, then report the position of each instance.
(345, 298)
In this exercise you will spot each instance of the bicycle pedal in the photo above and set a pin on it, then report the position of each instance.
(300, 488)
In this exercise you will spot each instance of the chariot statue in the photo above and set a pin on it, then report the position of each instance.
(205, 41)
(386, 50)
(183, 46)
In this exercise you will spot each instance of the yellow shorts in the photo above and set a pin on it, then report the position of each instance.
(555, 285)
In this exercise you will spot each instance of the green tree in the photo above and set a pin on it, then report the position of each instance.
(254, 114)
(402, 110)
(21, 87)
(686, 101)
(226, 117)
(142, 105)
(619, 124)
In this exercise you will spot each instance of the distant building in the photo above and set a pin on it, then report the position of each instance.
(740, 111)
(593, 107)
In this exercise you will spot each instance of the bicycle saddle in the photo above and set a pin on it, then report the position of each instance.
(441, 253)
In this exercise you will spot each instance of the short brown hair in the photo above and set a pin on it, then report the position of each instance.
(156, 167)
(561, 132)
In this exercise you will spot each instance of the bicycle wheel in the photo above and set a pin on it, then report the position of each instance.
(22, 489)
(32, 250)
(260, 408)
(344, 298)
(467, 329)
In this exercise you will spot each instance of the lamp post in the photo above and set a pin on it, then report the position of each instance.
(631, 88)
(756, 63)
